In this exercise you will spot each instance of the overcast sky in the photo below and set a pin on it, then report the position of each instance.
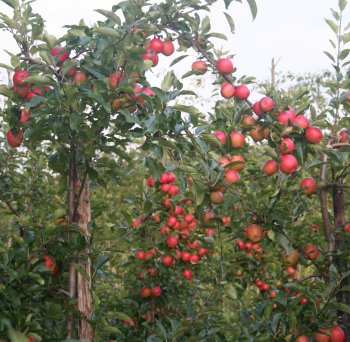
(293, 31)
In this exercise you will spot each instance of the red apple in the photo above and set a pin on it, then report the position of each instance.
(14, 139)
(62, 54)
(188, 274)
(25, 116)
(254, 232)
(257, 133)
(313, 135)
(309, 185)
(232, 176)
(224, 66)
(270, 167)
(311, 252)
(115, 78)
(227, 90)
(285, 118)
(248, 121)
(239, 160)
(221, 136)
(287, 146)
(140, 254)
(321, 335)
(150, 181)
(21, 91)
(199, 67)
(266, 104)
(80, 77)
(151, 55)
(145, 292)
(168, 48)
(256, 108)
(302, 338)
(237, 139)
(289, 164)
(301, 121)
(167, 260)
(172, 241)
(19, 77)
(217, 197)
(343, 136)
(156, 291)
(242, 92)
(337, 334)
(156, 45)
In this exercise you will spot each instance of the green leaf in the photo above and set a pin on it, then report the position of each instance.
(101, 260)
(329, 56)
(5, 66)
(227, 3)
(5, 91)
(44, 80)
(217, 35)
(205, 27)
(106, 31)
(346, 37)
(332, 25)
(187, 109)
(341, 307)
(12, 3)
(344, 54)
(110, 15)
(178, 59)
(253, 8)
(167, 81)
(342, 4)
(110, 329)
(230, 22)
(75, 120)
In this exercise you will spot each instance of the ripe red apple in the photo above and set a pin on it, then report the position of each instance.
(167, 260)
(148, 91)
(237, 139)
(266, 104)
(172, 241)
(80, 77)
(343, 136)
(239, 160)
(224, 66)
(302, 338)
(232, 176)
(188, 274)
(270, 167)
(216, 197)
(221, 136)
(150, 181)
(19, 77)
(152, 56)
(337, 334)
(311, 252)
(145, 292)
(292, 258)
(321, 335)
(156, 45)
(186, 256)
(272, 294)
(189, 218)
(347, 227)
(173, 190)
(21, 91)
(289, 164)
(254, 232)
(287, 145)
(313, 135)
(256, 108)
(301, 121)
(309, 185)
(227, 90)
(156, 291)
(257, 133)
(25, 116)
(115, 78)
(285, 118)
(168, 48)
(248, 121)
(199, 67)
(14, 138)
(242, 92)
(164, 178)
(140, 255)
(259, 283)
(265, 287)
(290, 270)
(62, 54)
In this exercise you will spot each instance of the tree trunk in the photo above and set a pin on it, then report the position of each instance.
(84, 277)
(343, 297)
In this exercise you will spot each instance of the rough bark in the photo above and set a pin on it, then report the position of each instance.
(84, 277)
(343, 297)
